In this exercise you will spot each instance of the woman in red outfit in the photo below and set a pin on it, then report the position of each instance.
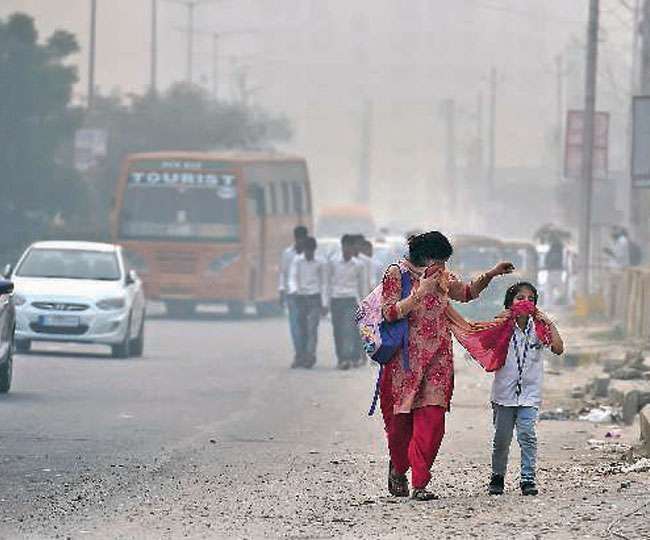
(414, 401)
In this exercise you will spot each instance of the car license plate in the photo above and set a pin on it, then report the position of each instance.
(59, 320)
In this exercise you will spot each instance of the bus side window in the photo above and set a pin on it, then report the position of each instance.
(298, 199)
(273, 199)
(286, 199)
(257, 202)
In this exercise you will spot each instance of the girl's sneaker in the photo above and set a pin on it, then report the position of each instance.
(529, 488)
(496, 485)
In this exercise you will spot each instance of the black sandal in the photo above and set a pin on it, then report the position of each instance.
(421, 494)
(398, 484)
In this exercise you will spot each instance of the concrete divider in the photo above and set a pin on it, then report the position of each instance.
(632, 396)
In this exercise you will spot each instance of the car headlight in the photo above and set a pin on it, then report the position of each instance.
(222, 261)
(19, 300)
(109, 304)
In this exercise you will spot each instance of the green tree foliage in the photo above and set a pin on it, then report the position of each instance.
(35, 120)
(185, 117)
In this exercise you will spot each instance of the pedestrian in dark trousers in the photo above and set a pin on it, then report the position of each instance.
(307, 285)
(286, 298)
(345, 286)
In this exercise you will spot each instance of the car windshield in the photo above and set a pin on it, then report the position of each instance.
(70, 264)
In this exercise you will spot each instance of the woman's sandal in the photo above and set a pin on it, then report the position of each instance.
(398, 484)
(421, 494)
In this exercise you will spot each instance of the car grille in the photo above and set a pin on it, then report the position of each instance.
(59, 330)
(176, 262)
(59, 306)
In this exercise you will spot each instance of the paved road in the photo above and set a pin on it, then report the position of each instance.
(211, 435)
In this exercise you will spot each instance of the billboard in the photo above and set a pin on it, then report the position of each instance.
(640, 166)
(575, 140)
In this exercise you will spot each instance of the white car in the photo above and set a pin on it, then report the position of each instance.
(79, 292)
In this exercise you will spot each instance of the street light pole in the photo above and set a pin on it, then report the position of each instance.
(91, 54)
(190, 40)
(153, 83)
(588, 147)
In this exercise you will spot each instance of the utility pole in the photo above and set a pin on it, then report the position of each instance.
(363, 195)
(191, 6)
(640, 198)
(492, 129)
(215, 66)
(559, 69)
(449, 112)
(588, 147)
(91, 54)
(153, 83)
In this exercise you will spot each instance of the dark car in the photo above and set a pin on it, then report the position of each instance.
(7, 326)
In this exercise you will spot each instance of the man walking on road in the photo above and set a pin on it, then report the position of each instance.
(345, 286)
(307, 284)
(286, 298)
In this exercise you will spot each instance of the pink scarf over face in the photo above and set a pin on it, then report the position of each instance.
(488, 342)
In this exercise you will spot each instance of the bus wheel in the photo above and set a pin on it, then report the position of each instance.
(269, 309)
(236, 309)
(180, 309)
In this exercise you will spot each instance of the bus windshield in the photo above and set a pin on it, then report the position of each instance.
(180, 206)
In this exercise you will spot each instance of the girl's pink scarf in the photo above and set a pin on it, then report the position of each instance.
(487, 342)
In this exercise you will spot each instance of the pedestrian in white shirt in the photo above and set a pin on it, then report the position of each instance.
(307, 282)
(286, 298)
(345, 287)
(517, 392)
(374, 269)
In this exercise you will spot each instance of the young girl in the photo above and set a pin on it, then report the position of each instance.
(517, 388)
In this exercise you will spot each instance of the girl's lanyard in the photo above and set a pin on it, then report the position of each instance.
(521, 360)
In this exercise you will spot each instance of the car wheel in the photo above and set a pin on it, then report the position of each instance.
(123, 349)
(23, 345)
(137, 344)
(6, 372)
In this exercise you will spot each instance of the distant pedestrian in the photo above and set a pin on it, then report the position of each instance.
(619, 253)
(374, 269)
(307, 281)
(415, 398)
(286, 298)
(517, 389)
(345, 287)
(554, 264)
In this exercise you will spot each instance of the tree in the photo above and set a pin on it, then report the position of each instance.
(185, 117)
(35, 119)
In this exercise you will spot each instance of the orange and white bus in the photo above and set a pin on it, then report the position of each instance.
(210, 227)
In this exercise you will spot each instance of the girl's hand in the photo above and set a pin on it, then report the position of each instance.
(543, 317)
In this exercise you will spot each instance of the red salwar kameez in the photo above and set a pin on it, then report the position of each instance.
(414, 402)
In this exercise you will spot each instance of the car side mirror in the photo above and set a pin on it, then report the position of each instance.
(6, 287)
(8, 269)
(131, 277)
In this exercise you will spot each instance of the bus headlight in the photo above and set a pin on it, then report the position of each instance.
(222, 261)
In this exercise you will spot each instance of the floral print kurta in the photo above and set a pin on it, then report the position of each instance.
(430, 380)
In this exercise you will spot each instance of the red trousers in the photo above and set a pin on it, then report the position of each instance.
(413, 438)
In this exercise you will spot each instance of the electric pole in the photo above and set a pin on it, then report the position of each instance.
(492, 132)
(641, 197)
(91, 54)
(153, 83)
(588, 147)
(215, 66)
(560, 116)
(190, 5)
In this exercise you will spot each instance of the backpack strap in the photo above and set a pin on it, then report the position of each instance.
(406, 290)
